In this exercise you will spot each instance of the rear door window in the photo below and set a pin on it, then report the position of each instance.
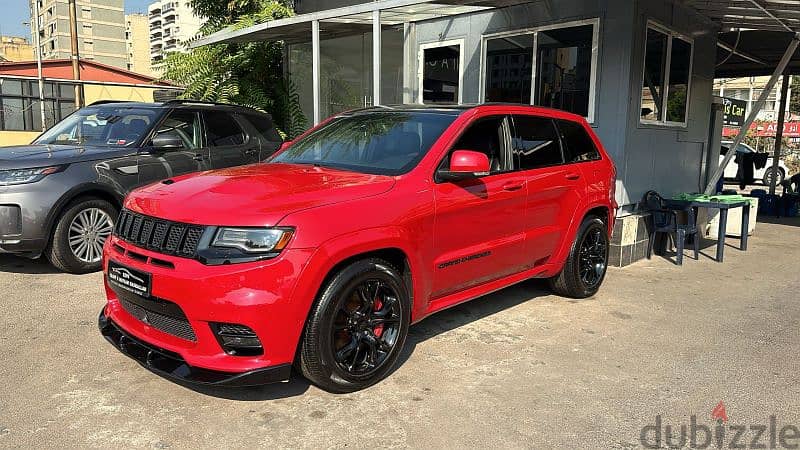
(222, 129)
(535, 143)
(578, 145)
(265, 128)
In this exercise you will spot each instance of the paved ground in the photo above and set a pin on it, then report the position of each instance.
(519, 368)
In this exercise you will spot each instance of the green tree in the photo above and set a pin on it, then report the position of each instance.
(248, 74)
(794, 98)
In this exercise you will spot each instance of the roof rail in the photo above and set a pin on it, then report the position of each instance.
(186, 101)
(105, 102)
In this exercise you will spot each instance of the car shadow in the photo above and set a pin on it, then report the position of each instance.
(441, 322)
(16, 264)
(471, 311)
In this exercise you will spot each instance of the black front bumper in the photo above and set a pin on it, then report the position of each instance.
(171, 365)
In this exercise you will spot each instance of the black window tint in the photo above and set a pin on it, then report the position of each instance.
(222, 129)
(578, 146)
(535, 143)
(266, 130)
(486, 136)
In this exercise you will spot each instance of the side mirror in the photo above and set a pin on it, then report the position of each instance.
(167, 141)
(285, 145)
(466, 164)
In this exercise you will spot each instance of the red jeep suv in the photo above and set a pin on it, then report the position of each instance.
(323, 256)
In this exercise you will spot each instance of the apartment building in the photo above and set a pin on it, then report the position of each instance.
(137, 38)
(101, 30)
(13, 48)
(749, 89)
(172, 23)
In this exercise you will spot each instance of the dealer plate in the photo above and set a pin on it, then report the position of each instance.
(131, 280)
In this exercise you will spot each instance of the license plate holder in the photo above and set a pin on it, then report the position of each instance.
(128, 279)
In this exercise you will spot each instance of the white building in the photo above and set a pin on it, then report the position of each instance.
(172, 23)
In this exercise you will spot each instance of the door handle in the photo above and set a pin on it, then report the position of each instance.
(251, 152)
(198, 157)
(572, 176)
(512, 186)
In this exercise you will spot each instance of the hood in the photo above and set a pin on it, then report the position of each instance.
(255, 195)
(39, 155)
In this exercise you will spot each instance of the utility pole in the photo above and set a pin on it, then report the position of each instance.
(37, 41)
(76, 68)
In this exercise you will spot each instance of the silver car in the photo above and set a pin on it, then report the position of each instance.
(60, 196)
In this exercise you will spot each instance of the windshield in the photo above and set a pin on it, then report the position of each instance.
(101, 126)
(381, 143)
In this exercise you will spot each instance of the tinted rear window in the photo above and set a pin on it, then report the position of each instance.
(265, 128)
(578, 146)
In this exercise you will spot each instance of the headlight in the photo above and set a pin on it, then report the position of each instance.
(25, 176)
(253, 240)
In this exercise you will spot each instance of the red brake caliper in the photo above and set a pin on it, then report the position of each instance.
(378, 330)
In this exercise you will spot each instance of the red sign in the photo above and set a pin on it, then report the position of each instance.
(767, 129)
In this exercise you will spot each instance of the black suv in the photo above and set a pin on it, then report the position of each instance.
(61, 195)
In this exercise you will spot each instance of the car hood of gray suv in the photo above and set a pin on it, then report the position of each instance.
(40, 155)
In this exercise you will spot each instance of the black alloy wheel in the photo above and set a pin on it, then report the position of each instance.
(366, 327)
(357, 327)
(587, 263)
(593, 258)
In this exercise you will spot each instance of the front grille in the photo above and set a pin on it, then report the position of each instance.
(162, 236)
(176, 326)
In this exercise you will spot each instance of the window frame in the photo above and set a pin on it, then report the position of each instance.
(594, 22)
(29, 96)
(670, 34)
(461, 42)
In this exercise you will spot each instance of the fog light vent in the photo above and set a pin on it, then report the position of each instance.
(237, 340)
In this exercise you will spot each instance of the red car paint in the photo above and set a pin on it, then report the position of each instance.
(524, 221)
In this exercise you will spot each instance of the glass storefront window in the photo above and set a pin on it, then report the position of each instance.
(509, 66)
(552, 67)
(564, 69)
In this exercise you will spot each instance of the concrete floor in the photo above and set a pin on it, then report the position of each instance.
(519, 368)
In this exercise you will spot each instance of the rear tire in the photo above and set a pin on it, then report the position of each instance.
(80, 231)
(357, 327)
(587, 263)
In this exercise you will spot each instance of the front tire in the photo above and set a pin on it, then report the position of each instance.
(80, 233)
(357, 327)
(586, 266)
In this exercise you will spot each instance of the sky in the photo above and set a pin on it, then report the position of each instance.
(16, 11)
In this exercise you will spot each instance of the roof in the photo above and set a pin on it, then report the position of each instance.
(178, 104)
(90, 71)
(764, 15)
(752, 53)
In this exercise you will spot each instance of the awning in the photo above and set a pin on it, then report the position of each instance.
(352, 19)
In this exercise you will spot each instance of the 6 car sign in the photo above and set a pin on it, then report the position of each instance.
(734, 111)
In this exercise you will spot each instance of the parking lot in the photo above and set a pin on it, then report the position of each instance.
(519, 368)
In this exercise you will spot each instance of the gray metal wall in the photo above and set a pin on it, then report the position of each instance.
(647, 157)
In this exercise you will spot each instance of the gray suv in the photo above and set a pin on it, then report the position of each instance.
(61, 195)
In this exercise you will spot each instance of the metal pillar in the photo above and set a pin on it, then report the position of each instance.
(315, 70)
(76, 67)
(376, 57)
(787, 56)
(37, 41)
(779, 132)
